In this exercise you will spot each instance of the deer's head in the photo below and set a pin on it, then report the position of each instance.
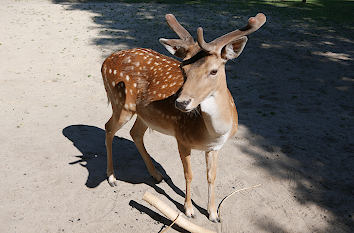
(204, 63)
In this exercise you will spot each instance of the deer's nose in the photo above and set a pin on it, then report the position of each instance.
(182, 105)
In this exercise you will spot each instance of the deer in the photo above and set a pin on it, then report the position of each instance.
(188, 100)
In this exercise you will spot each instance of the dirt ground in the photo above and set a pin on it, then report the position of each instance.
(293, 87)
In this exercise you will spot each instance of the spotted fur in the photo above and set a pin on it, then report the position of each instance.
(145, 75)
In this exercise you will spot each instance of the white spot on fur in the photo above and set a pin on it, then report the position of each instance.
(110, 71)
(134, 84)
(127, 77)
(115, 72)
(113, 83)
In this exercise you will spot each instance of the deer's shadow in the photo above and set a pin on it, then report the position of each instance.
(128, 164)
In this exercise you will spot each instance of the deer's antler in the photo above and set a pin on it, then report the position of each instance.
(254, 23)
(179, 29)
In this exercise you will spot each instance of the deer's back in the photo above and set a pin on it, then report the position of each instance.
(143, 74)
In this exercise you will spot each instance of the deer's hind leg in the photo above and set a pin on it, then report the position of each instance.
(137, 132)
(112, 126)
(120, 116)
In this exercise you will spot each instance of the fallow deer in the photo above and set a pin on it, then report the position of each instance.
(163, 91)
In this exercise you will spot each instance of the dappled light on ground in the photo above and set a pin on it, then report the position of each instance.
(292, 85)
(295, 106)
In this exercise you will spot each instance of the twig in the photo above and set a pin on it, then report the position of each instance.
(165, 230)
(236, 191)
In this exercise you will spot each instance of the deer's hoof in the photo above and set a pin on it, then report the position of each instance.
(189, 212)
(112, 181)
(214, 217)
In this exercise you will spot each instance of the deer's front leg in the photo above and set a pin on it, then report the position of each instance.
(185, 154)
(211, 164)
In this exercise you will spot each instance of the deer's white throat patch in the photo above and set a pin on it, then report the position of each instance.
(213, 116)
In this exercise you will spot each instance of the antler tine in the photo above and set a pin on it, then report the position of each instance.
(178, 28)
(254, 23)
(200, 38)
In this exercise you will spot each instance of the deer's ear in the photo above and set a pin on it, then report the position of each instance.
(234, 48)
(175, 47)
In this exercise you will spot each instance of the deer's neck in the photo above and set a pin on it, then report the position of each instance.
(217, 113)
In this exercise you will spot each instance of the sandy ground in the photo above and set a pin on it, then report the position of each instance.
(293, 87)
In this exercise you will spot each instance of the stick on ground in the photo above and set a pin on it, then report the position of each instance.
(172, 214)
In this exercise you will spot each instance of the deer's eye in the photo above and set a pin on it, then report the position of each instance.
(213, 72)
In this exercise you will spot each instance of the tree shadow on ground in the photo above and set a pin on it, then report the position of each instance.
(293, 87)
